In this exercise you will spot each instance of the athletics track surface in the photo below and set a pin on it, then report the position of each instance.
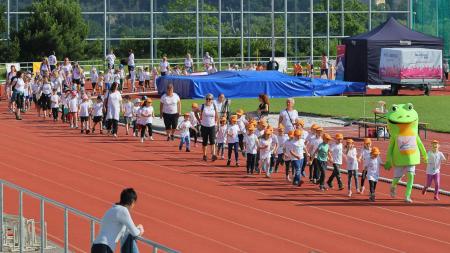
(194, 206)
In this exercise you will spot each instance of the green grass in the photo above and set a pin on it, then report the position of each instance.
(432, 109)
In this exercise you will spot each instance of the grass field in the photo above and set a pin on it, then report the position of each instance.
(432, 109)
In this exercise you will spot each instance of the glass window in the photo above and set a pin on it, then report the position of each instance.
(175, 25)
(231, 5)
(128, 25)
(298, 25)
(95, 24)
(89, 5)
(320, 24)
(231, 24)
(391, 5)
(209, 45)
(126, 5)
(298, 5)
(356, 5)
(320, 5)
(209, 5)
(257, 25)
(257, 5)
(320, 45)
(355, 23)
(209, 25)
(168, 6)
(231, 48)
(379, 18)
(336, 5)
(299, 49)
(18, 5)
(336, 22)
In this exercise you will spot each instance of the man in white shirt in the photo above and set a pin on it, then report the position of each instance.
(52, 61)
(110, 58)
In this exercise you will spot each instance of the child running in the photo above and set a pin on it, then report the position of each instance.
(352, 165)
(372, 167)
(265, 151)
(251, 143)
(84, 112)
(336, 158)
(242, 122)
(364, 156)
(97, 114)
(184, 128)
(233, 140)
(435, 157)
(145, 120)
(221, 137)
(127, 108)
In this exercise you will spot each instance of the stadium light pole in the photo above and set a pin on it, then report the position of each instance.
(311, 29)
(285, 31)
(197, 48)
(151, 33)
(273, 29)
(8, 26)
(370, 15)
(104, 28)
(342, 18)
(328, 28)
(242, 32)
(220, 35)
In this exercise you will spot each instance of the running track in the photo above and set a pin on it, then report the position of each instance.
(194, 206)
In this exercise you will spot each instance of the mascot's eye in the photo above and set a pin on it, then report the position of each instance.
(410, 106)
(394, 108)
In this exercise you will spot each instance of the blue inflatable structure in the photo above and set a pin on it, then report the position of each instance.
(249, 84)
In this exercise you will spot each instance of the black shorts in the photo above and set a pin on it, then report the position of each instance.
(52, 67)
(128, 120)
(141, 83)
(84, 119)
(208, 135)
(97, 119)
(100, 248)
(45, 102)
(170, 121)
(77, 81)
(110, 66)
(19, 100)
(130, 68)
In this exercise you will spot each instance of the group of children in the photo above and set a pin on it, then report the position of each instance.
(266, 150)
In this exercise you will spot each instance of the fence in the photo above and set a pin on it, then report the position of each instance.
(67, 209)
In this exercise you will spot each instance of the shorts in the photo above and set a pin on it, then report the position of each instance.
(170, 121)
(77, 81)
(128, 120)
(110, 66)
(14, 96)
(52, 67)
(19, 100)
(97, 119)
(208, 135)
(400, 171)
(84, 118)
(130, 68)
(35, 99)
(141, 83)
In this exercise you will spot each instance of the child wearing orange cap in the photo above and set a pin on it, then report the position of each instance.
(221, 137)
(265, 151)
(323, 154)
(193, 118)
(233, 140)
(145, 118)
(127, 108)
(298, 149)
(435, 157)
(185, 137)
(364, 156)
(300, 124)
(336, 157)
(373, 170)
(281, 140)
(351, 156)
(314, 146)
(241, 122)
(287, 148)
(308, 141)
(84, 112)
(251, 143)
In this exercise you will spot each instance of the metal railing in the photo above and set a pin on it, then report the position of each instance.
(67, 209)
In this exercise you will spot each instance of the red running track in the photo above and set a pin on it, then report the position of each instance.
(195, 206)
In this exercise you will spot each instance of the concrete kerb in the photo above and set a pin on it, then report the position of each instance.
(160, 130)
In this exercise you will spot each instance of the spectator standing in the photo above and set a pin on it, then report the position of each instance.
(110, 58)
(324, 65)
(170, 109)
(52, 61)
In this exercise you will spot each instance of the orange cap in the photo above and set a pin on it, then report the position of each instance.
(186, 114)
(234, 118)
(299, 122)
(435, 141)
(319, 129)
(268, 130)
(339, 136)
(326, 137)
(291, 133)
(223, 119)
(240, 112)
(298, 133)
(349, 141)
(251, 128)
(263, 122)
(375, 151)
(314, 126)
(149, 100)
(194, 105)
(367, 141)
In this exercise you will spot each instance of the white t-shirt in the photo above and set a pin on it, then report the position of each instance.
(111, 58)
(136, 112)
(131, 60)
(373, 168)
(128, 109)
(84, 109)
(434, 162)
(52, 60)
(20, 85)
(288, 119)
(287, 148)
(188, 62)
(67, 68)
(222, 134)
(146, 115)
(298, 148)
(170, 103)
(193, 119)
(315, 144)
(94, 76)
(232, 133)
(208, 116)
(98, 109)
(114, 101)
(73, 104)
(114, 223)
(281, 140)
(251, 144)
(264, 152)
(352, 160)
(46, 88)
(184, 127)
(242, 121)
(55, 101)
(365, 156)
(164, 65)
(336, 153)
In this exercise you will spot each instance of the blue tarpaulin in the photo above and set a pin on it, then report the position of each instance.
(249, 84)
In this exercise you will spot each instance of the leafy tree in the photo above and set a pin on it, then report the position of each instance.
(55, 25)
(9, 49)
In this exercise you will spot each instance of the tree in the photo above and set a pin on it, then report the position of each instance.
(55, 25)
(9, 49)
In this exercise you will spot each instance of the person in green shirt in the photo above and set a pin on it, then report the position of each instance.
(323, 154)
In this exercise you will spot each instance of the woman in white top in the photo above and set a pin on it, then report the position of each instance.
(46, 89)
(110, 58)
(164, 66)
(18, 85)
(130, 62)
(52, 61)
(114, 99)
(9, 78)
(189, 64)
(116, 221)
(208, 120)
(169, 110)
(45, 67)
(288, 116)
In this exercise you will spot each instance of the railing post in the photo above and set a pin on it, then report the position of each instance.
(1, 216)
(66, 230)
(92, 231)
(21, 235)
(43, 232)
(155, 249)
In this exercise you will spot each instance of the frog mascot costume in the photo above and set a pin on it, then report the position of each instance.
(404, 146)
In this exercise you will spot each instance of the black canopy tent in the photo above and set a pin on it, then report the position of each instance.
(362, 52)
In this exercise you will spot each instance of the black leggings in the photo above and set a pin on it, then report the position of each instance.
(232, 146)
(363, 177)
(279, 161)
(55, 113)
(146, 127)
(288, 166)
(100, 248)
(251, 163)
(354, 174)
(241, 141)
(194, 133)
(373, 186)
(113, 124)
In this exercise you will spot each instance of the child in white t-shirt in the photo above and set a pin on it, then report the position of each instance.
(136, 107)
(145, 119)
(100, 82)
(94, 79)
(185, 137)
(336, 158)
(97, 114)
(281, 140)
(351, 156)
(193, 118)
(251, 143)
(364, 157)
(141, 78)
(372, 166)
(55, 101)
(435, 157)
(127, 108)
(221, 136)
(154, 77)
(147, 78)
(73, 109)
(85, 112)
(233, 140)
(287, 148)
(265, 151)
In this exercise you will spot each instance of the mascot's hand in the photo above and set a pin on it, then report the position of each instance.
(387, 165)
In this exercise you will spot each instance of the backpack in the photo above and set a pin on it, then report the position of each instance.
(202, 108)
